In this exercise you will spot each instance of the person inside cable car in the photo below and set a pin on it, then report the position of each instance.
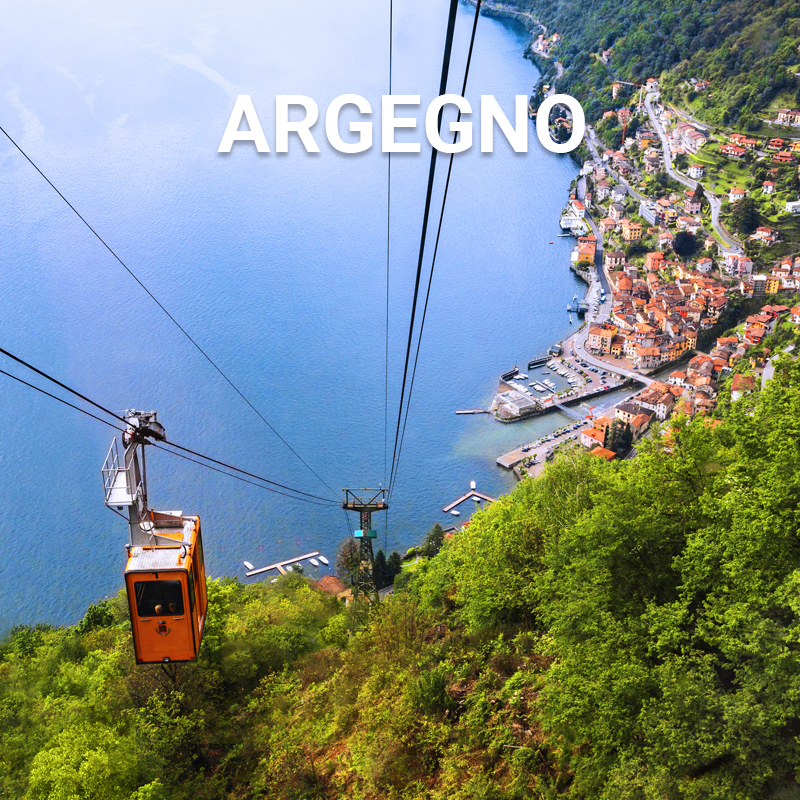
(154, 597)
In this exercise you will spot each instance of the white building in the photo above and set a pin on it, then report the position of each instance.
(517, 403)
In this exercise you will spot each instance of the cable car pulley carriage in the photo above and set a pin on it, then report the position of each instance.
(165, 576)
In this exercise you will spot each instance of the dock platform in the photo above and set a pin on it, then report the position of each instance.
(281, 564)
(464, 497)
(542, 358)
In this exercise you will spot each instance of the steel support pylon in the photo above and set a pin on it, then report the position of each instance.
(365, 590)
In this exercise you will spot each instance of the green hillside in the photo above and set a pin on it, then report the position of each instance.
(624, 630)
(748, 51)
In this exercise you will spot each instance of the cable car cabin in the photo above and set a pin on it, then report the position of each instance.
(166, 585)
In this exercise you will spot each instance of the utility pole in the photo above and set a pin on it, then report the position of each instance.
(368, 501)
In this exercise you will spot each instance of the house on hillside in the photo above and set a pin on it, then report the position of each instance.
(733, 151)
(766, 235)
(735, 194)
(741, 385)
(606, 455)
(331, 585)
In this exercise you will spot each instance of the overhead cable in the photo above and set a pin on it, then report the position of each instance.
(125, 422)
(448, 46)
(396, 460)
(163, 308)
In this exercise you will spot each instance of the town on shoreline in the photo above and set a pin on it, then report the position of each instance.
(653, 212)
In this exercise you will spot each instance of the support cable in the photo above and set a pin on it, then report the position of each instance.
(163, 308)
(125, 422)
(451, 22)
(171, 452)
(436, 247)
(388, 251)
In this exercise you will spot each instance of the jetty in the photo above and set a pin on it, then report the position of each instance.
(279, 565)
(468, 496)
(577, 306)
(507, 376)
(510, 460)
(542, 358)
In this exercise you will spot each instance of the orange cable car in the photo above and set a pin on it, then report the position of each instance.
(165, 575)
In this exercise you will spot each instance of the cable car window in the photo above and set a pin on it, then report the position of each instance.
(158, 598)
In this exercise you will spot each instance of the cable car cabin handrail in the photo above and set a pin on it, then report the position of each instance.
(109, 470)
(113, 467)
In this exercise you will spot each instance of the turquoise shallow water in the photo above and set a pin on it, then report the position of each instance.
(276, 264)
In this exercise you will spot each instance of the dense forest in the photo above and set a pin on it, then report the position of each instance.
(622, 630)
(748, 51)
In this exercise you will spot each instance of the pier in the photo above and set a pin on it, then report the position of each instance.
(542, 358)
(464, 497)
(507, 376)
(281, 564)
(577, 308)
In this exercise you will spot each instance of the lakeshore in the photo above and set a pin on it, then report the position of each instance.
(282, 289)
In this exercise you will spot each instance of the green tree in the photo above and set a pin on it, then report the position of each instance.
(744, 215)
(84, 762)
(380, 570)
(98, 615)
(685, 244)
(394, 564)
(347, 561)
(433, 541)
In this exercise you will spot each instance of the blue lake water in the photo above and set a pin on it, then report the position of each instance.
(274, 263)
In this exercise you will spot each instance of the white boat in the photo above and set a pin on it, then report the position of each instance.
(247, 565)
(476, 499)
(455, 513)
(289, 568)
(472, 485)
(324, 560)
(570, 319)
(522, 376)
(314, 562)
(274, 580)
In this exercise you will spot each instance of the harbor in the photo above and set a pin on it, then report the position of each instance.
(566, 379)
(535, 454)
(515, 399)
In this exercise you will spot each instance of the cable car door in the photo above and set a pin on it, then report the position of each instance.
(161, 618)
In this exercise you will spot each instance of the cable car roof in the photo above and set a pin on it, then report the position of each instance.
(146, 559)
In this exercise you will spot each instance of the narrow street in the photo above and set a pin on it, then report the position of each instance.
(577, 342)
(730, 245)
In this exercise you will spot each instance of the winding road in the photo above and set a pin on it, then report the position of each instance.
(729, 244)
